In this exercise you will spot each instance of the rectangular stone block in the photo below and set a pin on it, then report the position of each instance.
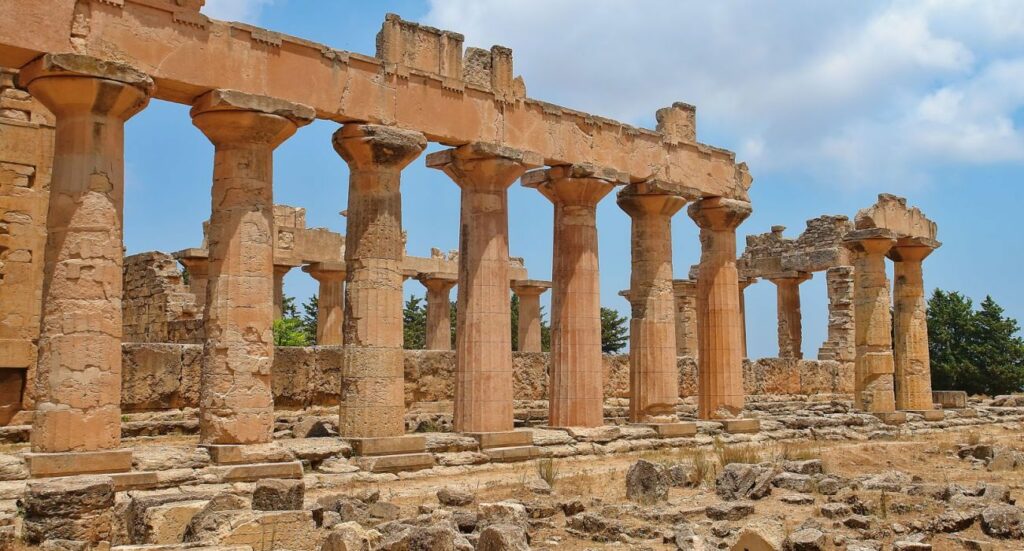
(395, 463)
(930, 414)
(950, 399)
(137, 480)
(740, 426)
(42, 465)
(504, 439)
(511, 455)
(239, 454)
(388, 445)
(254, 472)
(892, 417)
(673, 430)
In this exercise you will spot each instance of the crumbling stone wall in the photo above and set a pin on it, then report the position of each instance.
(157, 305)
(26, 152)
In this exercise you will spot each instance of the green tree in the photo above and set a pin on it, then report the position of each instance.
(414, 319)
(310, 311)
(975, 351)
(289, 330)
(614, 331)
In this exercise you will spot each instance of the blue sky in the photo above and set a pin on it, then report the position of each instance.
(830, 103)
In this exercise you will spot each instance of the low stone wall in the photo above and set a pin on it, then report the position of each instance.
(158, 376)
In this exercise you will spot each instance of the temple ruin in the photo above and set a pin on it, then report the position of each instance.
(90, 337)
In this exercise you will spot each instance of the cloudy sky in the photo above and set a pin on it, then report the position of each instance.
(829, 102)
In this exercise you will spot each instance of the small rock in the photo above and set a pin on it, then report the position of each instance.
(808, 467)
(539, 486)
(911, 546)
(952, 521)
(806, 539)
(734, 510)
(502, 512)
(835, 510)
(744, 481)
(574, 507)
(795, 482)
(503, 537)
(275, 494)
(797, 499)
(764, 535)
(350, 536)
(647, 482)
(435, 538)
(1001, 521)
(454, 497)
(858, 522)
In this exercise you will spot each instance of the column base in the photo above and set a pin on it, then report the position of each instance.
(43, 465)
(740, 426)
(388, 445)
(891, 417)
(671, 430)
(929, 414)
(246, 454)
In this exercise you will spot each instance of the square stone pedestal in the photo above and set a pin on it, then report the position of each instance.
(507, 446)
(892, 418)
(42, 465)
(388, 454)
(740, 426)
(672, 430)
(930, 414)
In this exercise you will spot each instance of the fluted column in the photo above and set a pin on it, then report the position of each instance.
(744, 282)
(790, 328)
(439, 309)
(576, 390)
(685, 291)
(719, 336)
(913, 380)
(373, 380)
(653, 373)
(236, 405)
(528, 332)
(483, 333)
(78, 375)
(330, 300)
(874, 367)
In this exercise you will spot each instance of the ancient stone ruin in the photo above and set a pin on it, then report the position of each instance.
(144, 401)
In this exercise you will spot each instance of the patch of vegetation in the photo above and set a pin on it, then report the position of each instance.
(547, 470)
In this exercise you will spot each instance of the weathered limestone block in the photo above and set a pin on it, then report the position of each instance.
(71, 508)
(236, 401)
(292, 370)
(154, 296)
(278, 495)
(78, 375)
(372, 376)
(160, 376)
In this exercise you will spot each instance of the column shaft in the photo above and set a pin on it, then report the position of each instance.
(483, 333)
(528, 333)
(686, 317)
(372, 386)
(279, 273)
(790, 324)
(719, 338)
(330, 301)
(439, 314)
(236, 405)
(873, 371)
(654, 374)
(78, 374)
(913, 383)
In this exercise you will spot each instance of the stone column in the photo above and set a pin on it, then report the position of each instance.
(653, 373)
(841, 333)
(78, 374)
(528, 333)
(330, 301)
(744, 282)
(197, 262)
(789, 317)
(236, 405)
(576, 390)
(439, 309)
(373, 379)
(483, 333)
(719, 337)
(280, 270)
(685, 291)
(873, 370)
(913, 379)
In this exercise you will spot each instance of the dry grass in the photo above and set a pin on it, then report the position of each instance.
(704, 470)
(973, 438)
(547, 470)
(728, 454)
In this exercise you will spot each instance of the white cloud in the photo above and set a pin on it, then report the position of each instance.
(843, 92)
(246, 11)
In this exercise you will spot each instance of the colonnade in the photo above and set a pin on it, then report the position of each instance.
(79, 350)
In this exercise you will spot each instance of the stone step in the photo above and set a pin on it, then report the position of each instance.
(394, 463)
(512, 454)
(741, 426)
(257, 471)
(673, 430)
(75, 463)
(388, 445)
(504, 439)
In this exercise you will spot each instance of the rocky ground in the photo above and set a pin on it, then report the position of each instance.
(817, 477)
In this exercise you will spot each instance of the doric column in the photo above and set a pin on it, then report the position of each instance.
(744, 282)
(873, 371)
(685, 291)
(719, 337)
(576, 391)
(330, 300)
(280, 270)
(789, 317)
(236, 405)
(653, 373)
(78, 375)
(528, 332)
(439, 310)
(483, 333)
(913, 381)
(197, 262)
(372, 386)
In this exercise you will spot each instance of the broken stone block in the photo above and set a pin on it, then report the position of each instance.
(454, 497)
(503, 537)
(502, 512)
(350, 536)
(435, 538)
(736, 510)
(74, 508)
(278, 495)
(647, 482)
(745, 481)
(1002, 521)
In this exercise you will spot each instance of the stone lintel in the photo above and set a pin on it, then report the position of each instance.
(483, 150)
(867, 234)
(537, 178)
(660, 187)
(233, 100)
(740, 426)
(439, 276)
(683, 286)
(891, 417)
(512, 454)
(77, 65)
(42, 465)
(286, 264)
(503, 439)
(672, 430)
(388, 445)
(395, 463)
(800, 277)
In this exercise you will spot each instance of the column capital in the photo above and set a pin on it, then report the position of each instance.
(229, 117)
(440, 281)
(651, 197)
(484, 166)
(71, 83)
(366, 146)
(745, 282)
(529, 287)
(577, 184)
(870, 241)
(784, 278)
(325, 272)
(912, 249)
(196, 261)
(719, 213)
